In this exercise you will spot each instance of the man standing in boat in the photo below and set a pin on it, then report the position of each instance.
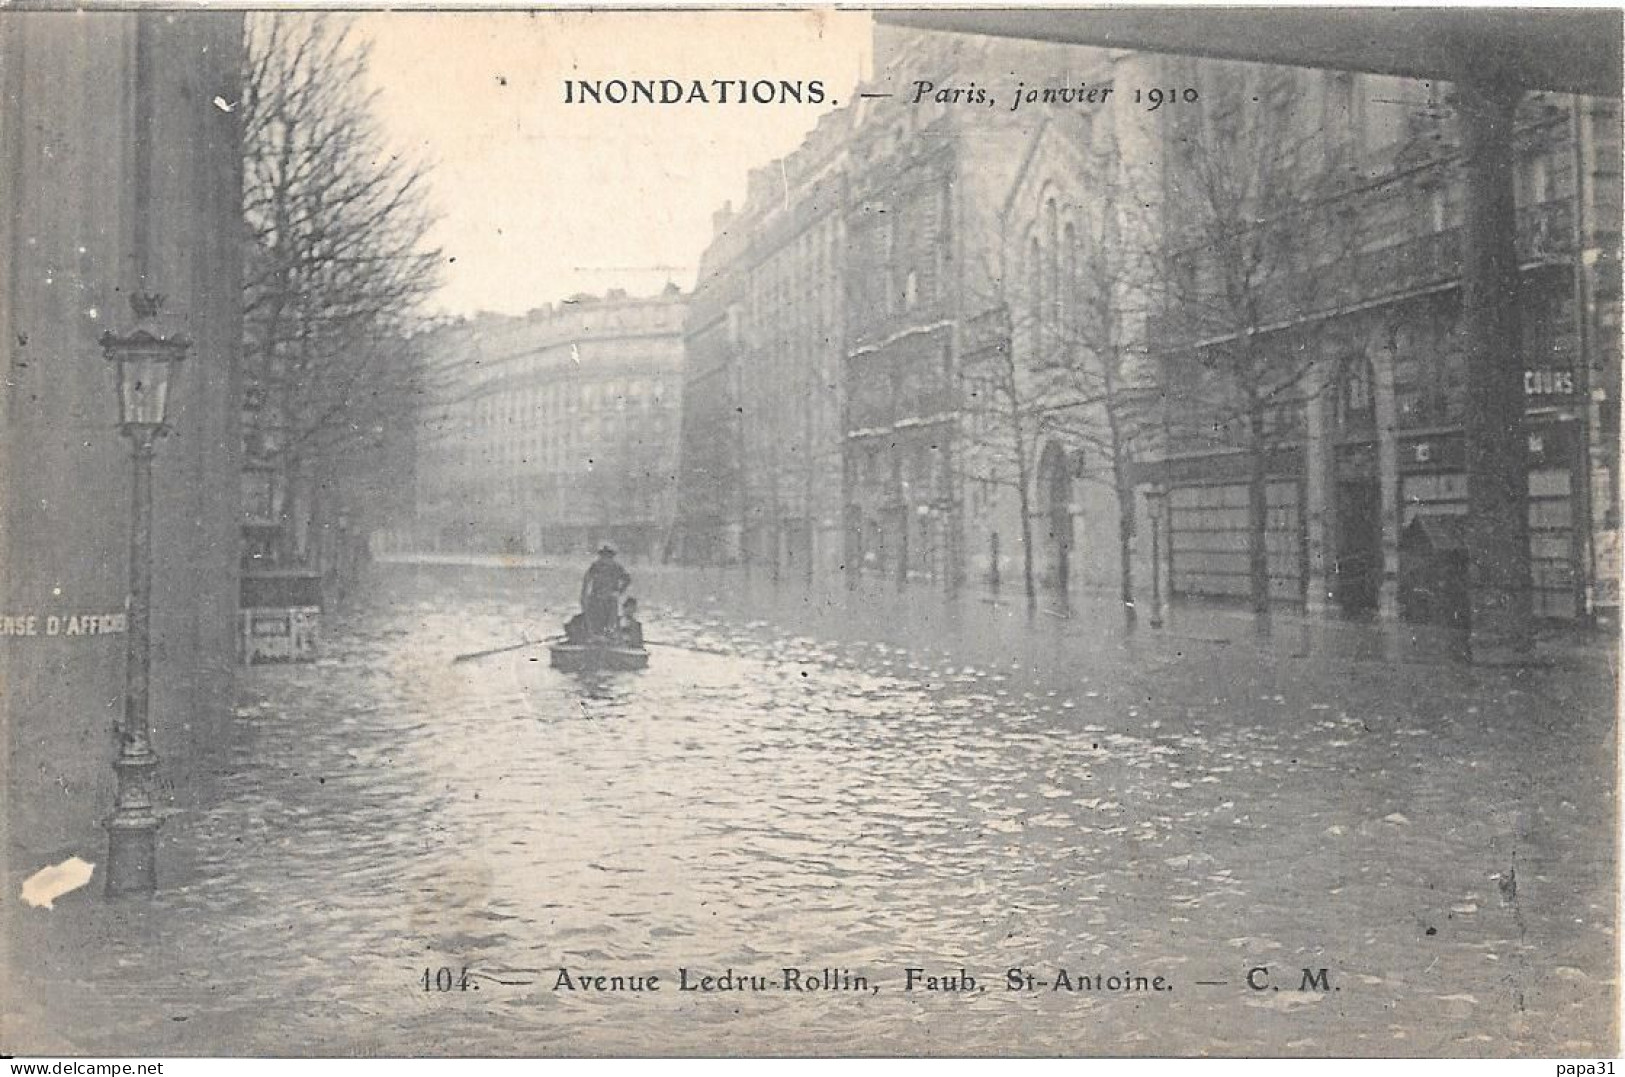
(601, 590)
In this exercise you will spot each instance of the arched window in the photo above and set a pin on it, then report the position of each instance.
(1052, 281)
(1035, 300)
(1067, 302)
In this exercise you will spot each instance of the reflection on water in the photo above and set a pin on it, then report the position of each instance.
(832, 800)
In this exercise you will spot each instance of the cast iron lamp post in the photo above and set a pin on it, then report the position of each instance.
(146, 358)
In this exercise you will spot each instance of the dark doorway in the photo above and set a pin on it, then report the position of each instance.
(1358, 576)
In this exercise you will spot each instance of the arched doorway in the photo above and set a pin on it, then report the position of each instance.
(1054, 509)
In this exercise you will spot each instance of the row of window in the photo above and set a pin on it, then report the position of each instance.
(567, 398)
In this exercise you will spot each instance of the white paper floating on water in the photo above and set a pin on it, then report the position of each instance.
(42, 888)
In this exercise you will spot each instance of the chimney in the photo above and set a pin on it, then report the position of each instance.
(722, 218)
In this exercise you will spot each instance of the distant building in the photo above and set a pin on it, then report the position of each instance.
(761, 471)
(710, 511)
(554, 431)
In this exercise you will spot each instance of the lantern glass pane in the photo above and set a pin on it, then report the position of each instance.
(143, 389)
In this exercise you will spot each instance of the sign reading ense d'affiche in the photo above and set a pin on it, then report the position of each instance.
(62, 624)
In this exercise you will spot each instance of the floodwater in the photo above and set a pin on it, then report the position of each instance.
(809, 794)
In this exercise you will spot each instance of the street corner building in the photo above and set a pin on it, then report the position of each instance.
(114, 184)
(555, 431)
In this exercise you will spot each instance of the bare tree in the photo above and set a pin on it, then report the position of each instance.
(1107, 400)
(1002, 413)
(336, 261)
(1255, 242)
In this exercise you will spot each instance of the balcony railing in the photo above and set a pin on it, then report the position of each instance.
(1544, 234)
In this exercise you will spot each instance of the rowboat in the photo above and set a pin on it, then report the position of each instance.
(597, 655)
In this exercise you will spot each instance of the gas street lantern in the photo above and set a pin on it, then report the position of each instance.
(146, 359)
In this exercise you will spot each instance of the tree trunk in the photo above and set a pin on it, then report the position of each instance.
(1125, 546)
(902, 519)
(1024, 504)
(1258, 565)
(1124, 489)
(902, 545)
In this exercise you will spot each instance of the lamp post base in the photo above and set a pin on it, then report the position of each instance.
(132, 856)
(132, 828)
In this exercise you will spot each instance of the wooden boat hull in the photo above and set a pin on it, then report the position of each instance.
(580, 657)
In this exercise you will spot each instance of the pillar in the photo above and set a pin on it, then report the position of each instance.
(1381, 353)
(1320, 485)
(1497, 466)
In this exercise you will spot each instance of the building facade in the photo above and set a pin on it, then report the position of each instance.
(554, 431)
(1020, 365)
(127, 180)
(762, 426)
(823, 425)
(1364, 446)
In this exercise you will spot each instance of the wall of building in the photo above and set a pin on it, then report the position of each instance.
(118, 174)
(761, 455)
(555, 431)
(946, 201)
(945, 206)
(1073, 285)
(902, 488)
(1375, 437)
(711, 464)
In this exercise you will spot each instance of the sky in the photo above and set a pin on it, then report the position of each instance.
(540, 200)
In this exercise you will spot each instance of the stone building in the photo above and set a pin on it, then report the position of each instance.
(1369, 439)
(963, 234)
(971, 240)
(762, 424)
(118, 174)
(556, 430)
(1062, 344)
(821, 416)
(711, 464)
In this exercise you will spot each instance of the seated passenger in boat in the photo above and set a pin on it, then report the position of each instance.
(631, 627)
(575, 629)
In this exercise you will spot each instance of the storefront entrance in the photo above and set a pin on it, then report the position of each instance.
(1358, 571)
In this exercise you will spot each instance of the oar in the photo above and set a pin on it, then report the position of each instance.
(686, 647)
(503, 650)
